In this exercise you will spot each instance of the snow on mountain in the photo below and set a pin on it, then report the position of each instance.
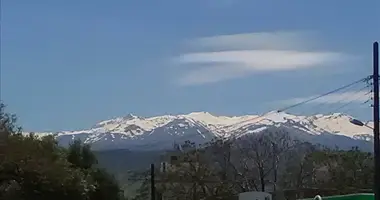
(133, 132)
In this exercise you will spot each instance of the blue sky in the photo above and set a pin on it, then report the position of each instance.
(68, 64)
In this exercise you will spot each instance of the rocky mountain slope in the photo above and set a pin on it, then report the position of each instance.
(154, 133)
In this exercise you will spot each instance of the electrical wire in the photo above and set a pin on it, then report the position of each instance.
(352, 101)
(341, 100)
(326, 105)
(325, 94)
(365, 79)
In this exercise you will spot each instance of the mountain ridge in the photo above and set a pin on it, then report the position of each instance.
(158, 132)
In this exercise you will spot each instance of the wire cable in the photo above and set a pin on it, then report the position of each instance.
(343, 99)
(352, 101)
(302, 102)
(326, 105)
(325, 94)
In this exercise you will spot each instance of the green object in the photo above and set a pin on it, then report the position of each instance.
(359, 196)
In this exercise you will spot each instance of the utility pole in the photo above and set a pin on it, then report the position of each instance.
(376, 119)
(152, 183)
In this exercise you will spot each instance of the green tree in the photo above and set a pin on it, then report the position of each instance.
(7, 122)
(350, 171)
(81, 156)
(34, 167)
(106, 186)
(343, 171)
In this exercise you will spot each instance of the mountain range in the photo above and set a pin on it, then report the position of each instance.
(161, 132)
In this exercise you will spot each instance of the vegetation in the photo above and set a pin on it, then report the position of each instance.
(34, 167)
(271, 161)
(37, 168)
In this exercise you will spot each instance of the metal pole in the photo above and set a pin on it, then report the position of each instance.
(152, 183)
(376, 119)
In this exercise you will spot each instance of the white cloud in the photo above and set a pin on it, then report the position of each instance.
(244, 54)
(202, 75)
(260, 40)
(252, 60)
(344, 97)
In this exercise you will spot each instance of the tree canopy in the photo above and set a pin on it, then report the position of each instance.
(271, 161)
(34, 167)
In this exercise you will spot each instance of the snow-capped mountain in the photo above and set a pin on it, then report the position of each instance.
(133, 132)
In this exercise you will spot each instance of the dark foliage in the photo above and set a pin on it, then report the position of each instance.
(37, 168)
(271, 162)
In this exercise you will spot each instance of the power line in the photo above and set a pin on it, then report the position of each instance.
(352, 101)
(325, 94)
(326, 105)
(365, 79)
(344, 99)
